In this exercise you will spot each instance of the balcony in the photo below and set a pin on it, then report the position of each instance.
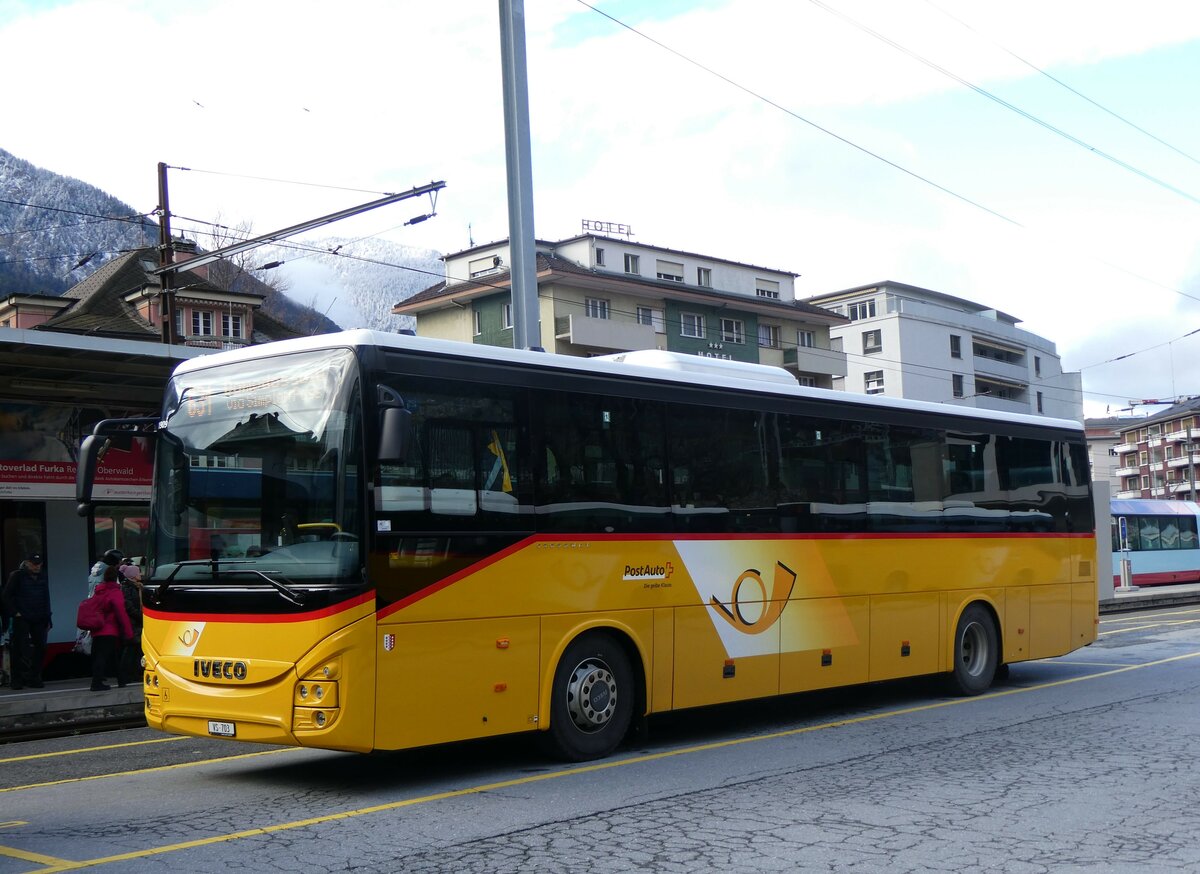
(1125, 447)
(604, 334)
(1177, 488)
(1002, 370)
(1128, 495)
(1176, 437)
(1127, 471)
(1004, 405)
(1183, 461)
(810, 359)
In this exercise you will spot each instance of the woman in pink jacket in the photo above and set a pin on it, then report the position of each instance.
(106, 640)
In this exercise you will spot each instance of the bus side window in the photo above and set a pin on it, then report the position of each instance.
(601, 464)
(721, 470)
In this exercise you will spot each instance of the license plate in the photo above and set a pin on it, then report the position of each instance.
(221, 729)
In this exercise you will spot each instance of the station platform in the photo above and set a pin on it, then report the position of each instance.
(69, 706)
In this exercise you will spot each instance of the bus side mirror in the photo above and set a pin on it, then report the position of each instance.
(85, 472)
(107, 434)
(395, 435)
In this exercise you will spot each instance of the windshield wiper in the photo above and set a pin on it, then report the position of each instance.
(216, 569)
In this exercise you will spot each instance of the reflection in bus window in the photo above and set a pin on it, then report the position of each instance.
(602, 464)
(463, 471)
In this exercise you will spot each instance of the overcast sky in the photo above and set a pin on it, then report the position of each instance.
(820, 139)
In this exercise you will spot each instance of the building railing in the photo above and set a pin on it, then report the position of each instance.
(611, 334)
(813, 359)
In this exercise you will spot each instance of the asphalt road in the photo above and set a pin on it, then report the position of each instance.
(1088, 762)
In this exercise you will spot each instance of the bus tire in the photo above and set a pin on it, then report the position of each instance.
(593, 695)
(976, 651)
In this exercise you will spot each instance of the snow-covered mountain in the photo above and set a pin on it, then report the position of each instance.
(358, 286)
(54, 231)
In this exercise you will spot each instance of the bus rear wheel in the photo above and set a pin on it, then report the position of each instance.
(593, 694)
(976, 651)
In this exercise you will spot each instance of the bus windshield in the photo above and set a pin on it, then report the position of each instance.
(256, 474)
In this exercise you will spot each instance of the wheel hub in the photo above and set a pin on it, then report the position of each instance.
(974, 649)
(591, 695)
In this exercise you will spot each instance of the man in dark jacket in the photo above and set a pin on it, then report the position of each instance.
(27, 600)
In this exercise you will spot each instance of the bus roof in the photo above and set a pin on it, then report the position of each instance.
(667, 367)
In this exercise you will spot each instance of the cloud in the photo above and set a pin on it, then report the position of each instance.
(381, 96)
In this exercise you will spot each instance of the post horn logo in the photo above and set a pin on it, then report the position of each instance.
(771, 605)
(190, 636)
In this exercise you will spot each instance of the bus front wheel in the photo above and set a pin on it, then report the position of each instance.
(976, 651)
(593, 696)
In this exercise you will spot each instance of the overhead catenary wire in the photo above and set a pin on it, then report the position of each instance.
(482, 282)
(311, 251)
(983, 92)
(1063, 84)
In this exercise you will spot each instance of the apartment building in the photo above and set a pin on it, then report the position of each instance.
(910, 342)
(600, 294)
(1159, 456)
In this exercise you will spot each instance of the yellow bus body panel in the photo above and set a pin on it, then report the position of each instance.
(858, 609)
(705, 620)
(185, 692)
(448, 681)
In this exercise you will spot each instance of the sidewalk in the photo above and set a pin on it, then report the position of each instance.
(64, 706)
(68, 705)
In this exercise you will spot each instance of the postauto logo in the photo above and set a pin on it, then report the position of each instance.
(768, 605)
(639, 572)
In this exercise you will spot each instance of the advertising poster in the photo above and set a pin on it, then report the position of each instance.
(39, 446)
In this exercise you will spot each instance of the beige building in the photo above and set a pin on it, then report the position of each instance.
(599, 295)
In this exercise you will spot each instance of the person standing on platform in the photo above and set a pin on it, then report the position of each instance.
(107, 639)
(27, 600)
(112, 558)
(130, 578)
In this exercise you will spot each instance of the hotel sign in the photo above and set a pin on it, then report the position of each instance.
(607, 228)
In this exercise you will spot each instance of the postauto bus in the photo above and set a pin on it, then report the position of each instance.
(372, 541)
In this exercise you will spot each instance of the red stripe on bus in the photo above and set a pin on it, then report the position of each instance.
(454, 578)
(1163, 578)
(832, 535)
(309, 616)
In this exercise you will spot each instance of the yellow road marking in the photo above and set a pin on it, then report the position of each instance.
(135, 743)
(35, 857)
(149, 770)
(1173, 622)
(1142, 618)
(587, 769)
(12, 823)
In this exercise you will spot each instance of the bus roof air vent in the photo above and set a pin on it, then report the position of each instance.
(698, 364)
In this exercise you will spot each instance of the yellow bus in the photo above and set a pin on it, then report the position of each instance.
(368, 541)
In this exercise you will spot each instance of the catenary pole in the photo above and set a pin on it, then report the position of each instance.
(166, 248)
(522, 254)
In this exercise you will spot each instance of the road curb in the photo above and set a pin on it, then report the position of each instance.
(39, 713)
(1145, 600)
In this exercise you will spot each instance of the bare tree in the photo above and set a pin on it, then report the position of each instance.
(237, 272)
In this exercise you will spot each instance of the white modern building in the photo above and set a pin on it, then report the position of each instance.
(914, 343)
